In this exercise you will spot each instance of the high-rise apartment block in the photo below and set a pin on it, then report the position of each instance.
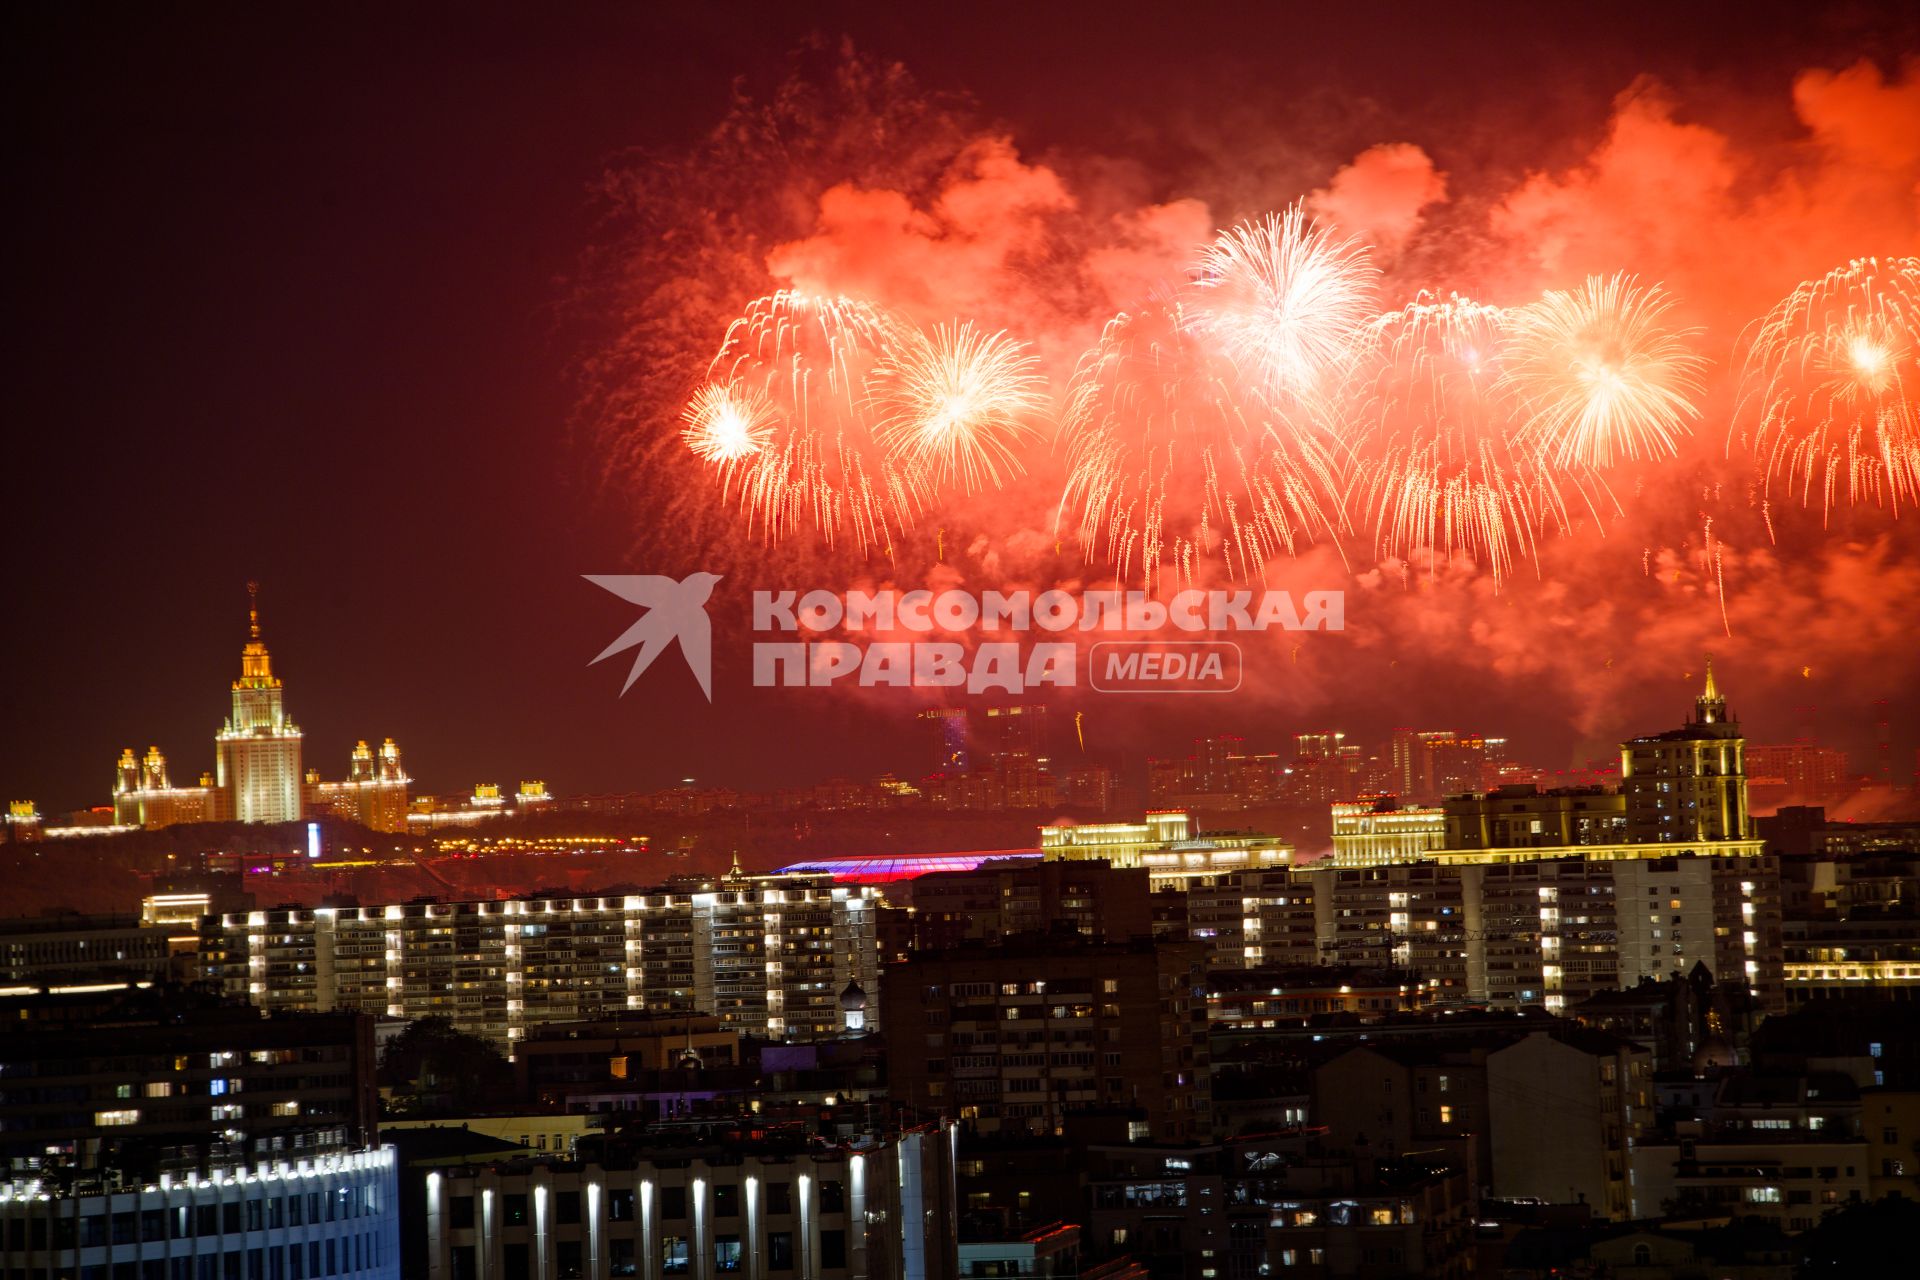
(1547, 931)
(1012, 1039)
(769, 956)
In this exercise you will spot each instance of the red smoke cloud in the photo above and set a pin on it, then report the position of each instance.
(1608, 623)
(1381, 195)
(1729, 228)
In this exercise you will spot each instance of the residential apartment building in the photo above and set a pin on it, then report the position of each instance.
(998, 899)
(767, 955)
(981, 1034)
(1548, 931)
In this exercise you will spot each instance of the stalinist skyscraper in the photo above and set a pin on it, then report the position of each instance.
(257, 754)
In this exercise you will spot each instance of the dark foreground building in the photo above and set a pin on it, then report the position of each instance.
(155, 1134)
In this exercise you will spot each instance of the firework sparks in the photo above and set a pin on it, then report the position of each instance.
(1599, 373)
(1286, 301)
(1172, 459)
(725, 424)
(1828, 385)
(1440, 473)
(781, 421)
(956, 405)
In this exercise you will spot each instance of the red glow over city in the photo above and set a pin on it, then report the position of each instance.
(1069, 641)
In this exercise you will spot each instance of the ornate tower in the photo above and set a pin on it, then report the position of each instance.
(257, 754)
(1689, 784)
(1710, 707)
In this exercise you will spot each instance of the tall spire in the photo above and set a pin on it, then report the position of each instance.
(1710, 707)
(256, 667)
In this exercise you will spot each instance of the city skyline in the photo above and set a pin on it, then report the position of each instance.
(427, 576)
(1810, 768)
(1078, 641)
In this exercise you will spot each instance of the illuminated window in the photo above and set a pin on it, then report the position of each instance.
(1446, 1115)
(116, 1117)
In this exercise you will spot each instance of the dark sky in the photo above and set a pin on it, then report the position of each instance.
(283, 284)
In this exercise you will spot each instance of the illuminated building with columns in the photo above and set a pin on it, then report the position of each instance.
(143, 795)
(374, 793)
(1689, 784)
(257, 752)
(1174, 854)
(257, 775)
(669, 1199)
(1370, 833)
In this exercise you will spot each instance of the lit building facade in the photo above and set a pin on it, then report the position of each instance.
(1545, 931)
(1370, 833)
(373, 795)
(1688, 784)
(23, 821)
(149, 1132)
(1682, 793)
(1175, 857)
(74, 949)
(315, 1217)
(1522, 816)
(768, 955)
(882, 1206)
(144, 796)
(257, 752)
(257, 775)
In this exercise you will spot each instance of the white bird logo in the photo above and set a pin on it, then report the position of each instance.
(674, 611)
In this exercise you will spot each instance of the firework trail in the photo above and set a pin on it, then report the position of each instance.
(1438, 470)
(800, 364)
(955, 407)
(1172, 459)
(1599, 374)
(1828, 386)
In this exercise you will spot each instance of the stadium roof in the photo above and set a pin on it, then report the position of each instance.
(885, 868)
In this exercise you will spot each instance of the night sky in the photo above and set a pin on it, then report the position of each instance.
(290, 297)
